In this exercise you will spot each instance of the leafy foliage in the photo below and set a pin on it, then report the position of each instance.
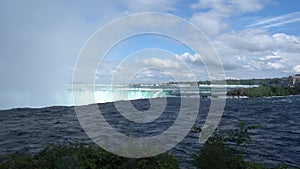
(265, 91)
(268, 81)
(217, 154)
(223, 150)
(77, 156)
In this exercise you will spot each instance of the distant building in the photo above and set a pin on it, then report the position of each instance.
(285, 81)
(296, 80)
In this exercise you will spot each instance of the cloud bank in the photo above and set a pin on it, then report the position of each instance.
(40, 42)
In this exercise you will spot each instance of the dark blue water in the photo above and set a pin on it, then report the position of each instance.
(276, 141)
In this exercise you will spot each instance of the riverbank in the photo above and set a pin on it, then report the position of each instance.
(265, 91)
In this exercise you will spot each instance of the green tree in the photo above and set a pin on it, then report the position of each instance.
(217, 154)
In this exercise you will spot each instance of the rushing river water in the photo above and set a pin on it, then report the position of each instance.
(276, 141)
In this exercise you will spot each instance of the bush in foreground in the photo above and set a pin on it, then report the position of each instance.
(77, 156)
(223, 150)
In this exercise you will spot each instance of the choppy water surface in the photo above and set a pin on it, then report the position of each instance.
(276, 141)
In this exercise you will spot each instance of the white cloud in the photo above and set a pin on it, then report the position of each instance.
(154, 76)
(189, 58)
(161, 63)
(256, 52)
(258, 40)
(275, 65)
(210, 23)
(296, 68)
(271, 57)
(214, 18)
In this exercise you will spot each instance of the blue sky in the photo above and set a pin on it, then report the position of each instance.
(40, 42)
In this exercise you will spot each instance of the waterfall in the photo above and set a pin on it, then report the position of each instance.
(106, 94)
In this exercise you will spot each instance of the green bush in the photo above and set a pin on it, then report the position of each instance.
(224, 150)
(77, 156)
(216, 153)
(265, 91)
